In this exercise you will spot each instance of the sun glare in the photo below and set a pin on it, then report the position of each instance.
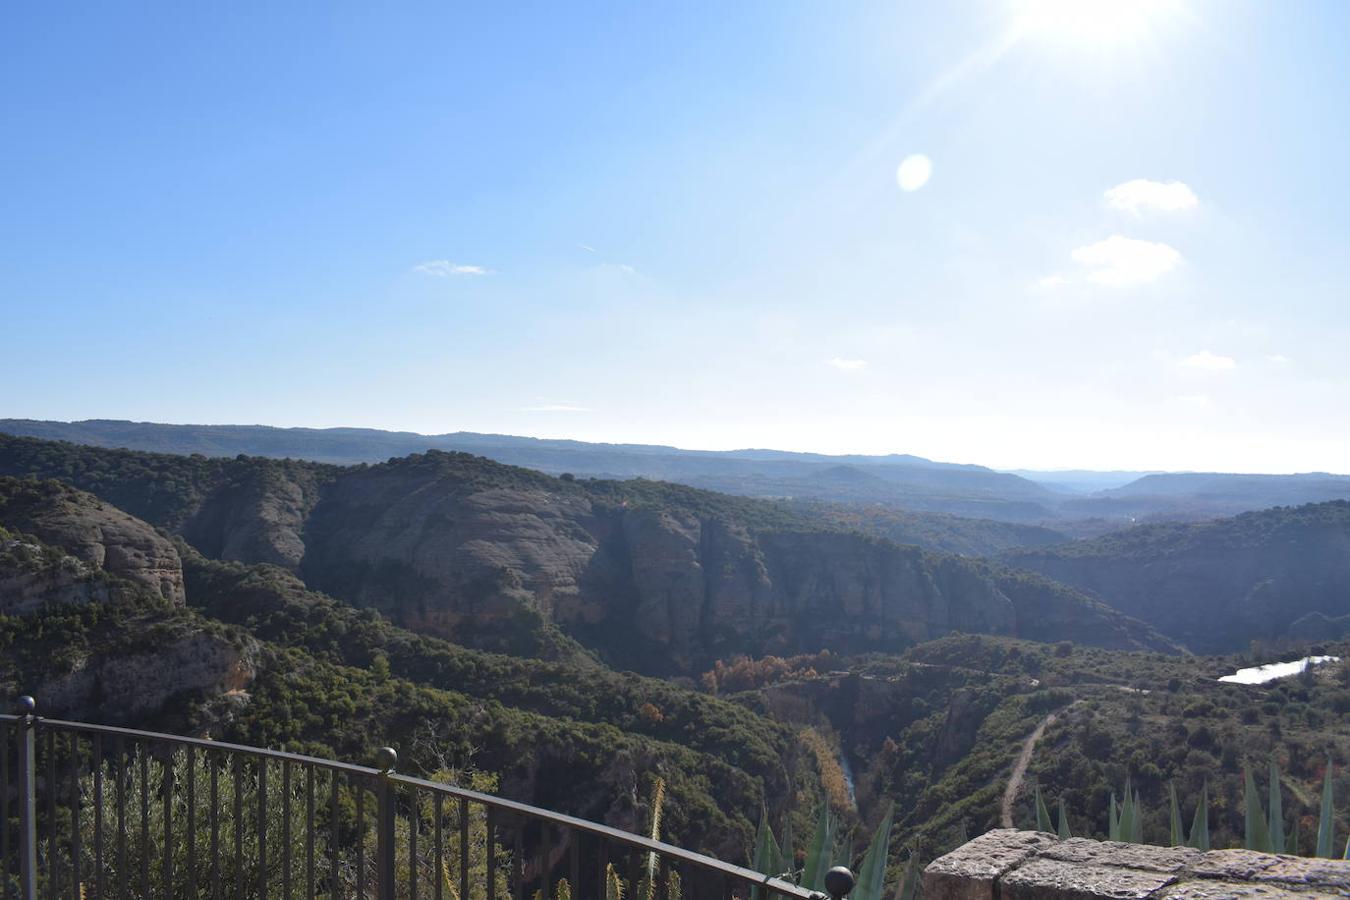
(1091, 25)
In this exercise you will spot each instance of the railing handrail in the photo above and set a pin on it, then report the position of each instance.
(628, 838)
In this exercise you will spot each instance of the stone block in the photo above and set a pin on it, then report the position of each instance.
(1129, 856)
(1229, 890)
(970, 871)
(1331, 876)
(1233, 865)
(1053, 879)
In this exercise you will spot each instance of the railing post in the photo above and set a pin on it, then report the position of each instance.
(27, 789)
(385, 758)
(838, 882)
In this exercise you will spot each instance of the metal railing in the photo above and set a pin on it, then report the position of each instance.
(92, 811)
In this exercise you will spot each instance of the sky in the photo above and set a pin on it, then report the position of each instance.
(1041, 235)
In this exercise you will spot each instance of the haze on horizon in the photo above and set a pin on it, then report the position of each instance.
(1041, 235)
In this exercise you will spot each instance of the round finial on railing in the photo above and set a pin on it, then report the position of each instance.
(386, 758)
(27, 705)
(839, 881)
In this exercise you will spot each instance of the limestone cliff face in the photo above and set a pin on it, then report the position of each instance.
(30, 579)
(130, 687)
(658, 578)
(97, 534)
(660, 588)
(257, 516)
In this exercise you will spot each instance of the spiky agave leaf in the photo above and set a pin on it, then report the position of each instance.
(767, 853)
(1113, 821)
(908, 888)
(1200, 823)
(1326, 822)
(1126, 827)
(1137, 826)
(1276, 806)
(820, 851)
(787, 854)
(1042, 814)
(872, 872)
(1257, 827)
(1174, 809)
(1063, 830)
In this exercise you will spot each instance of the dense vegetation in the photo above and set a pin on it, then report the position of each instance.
(1216, 585)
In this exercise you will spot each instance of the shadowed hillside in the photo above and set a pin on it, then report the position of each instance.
(1217, 585)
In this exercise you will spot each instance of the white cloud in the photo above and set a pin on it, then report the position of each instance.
(1205, 361)
(1051, 281)
(1121, 261)
(444, 268)
(1141, 195)
(556, 408)
(1278, 359)
(847, 365)
(587, 247)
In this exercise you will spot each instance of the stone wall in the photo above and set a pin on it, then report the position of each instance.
(1021, 865)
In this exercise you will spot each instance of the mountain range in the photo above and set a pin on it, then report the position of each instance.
(1061, 501)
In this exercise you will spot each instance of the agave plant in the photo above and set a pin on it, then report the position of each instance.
(1042, 813)
(1199, 838)
(1174, 816)
(774, 860)
(1326, 823)
(1063, 830)
(908, 888)
(872, 872)
(820, 851)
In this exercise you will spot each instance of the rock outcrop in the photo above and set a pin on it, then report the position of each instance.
(131, 687)
(97, 534)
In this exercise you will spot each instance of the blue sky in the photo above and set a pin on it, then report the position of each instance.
(683, 224)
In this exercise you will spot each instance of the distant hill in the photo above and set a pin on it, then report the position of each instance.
(1079, 481)
(912, 481)
(1079, 503)
(1218, 585)
(656, 577)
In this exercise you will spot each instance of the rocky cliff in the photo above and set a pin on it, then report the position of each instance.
(97, 534)
(453, 544)
(656, 577)
(96, 625)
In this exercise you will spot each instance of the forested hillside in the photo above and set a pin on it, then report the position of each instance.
(1216, 586)
(652, 576)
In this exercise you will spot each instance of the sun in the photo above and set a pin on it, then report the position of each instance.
(1091, 25)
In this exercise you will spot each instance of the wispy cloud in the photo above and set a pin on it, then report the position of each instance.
(444, 268)
(1050, 282)
(556, 408)
(588, 248)
(1141, 195)
(847, 365)
(1122, 262)
(1278, 359)
(1207, 361)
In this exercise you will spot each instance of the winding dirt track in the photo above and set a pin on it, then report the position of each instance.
(1019, 770)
